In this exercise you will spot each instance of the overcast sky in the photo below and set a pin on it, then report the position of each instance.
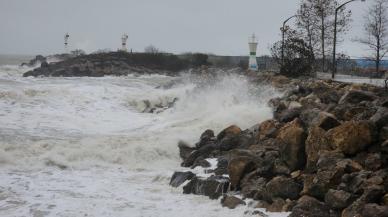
(211, 26)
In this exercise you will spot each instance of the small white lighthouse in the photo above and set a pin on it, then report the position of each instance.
(252, 53)
(67, 36)
(124, 39)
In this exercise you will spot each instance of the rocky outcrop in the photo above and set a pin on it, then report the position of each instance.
(325, 152)
(110, 64)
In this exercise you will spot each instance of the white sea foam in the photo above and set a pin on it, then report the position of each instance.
(117, 160)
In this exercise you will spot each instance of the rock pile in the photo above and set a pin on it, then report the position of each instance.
(325, 153)
(110, 64)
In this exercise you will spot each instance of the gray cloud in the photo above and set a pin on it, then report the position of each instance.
(214, 26)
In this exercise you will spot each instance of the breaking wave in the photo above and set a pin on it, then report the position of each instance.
(133, 121)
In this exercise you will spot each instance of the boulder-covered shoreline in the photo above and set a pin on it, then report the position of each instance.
(109, 64)
(324, 153)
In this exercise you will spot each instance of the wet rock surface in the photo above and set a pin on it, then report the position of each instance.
(325, 153)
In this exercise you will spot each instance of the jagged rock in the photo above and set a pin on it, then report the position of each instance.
(267, 129)
(237, 169)
(347, 112)
(288, 115)
(232, 137)
(253, 186)
(231, 201)
(326, 121)
(328, 96)
(293, 151)
(179, 178)
(276, 205)
(290, 204)
(213, 187)
(200, 162)
(284, 188)
(328, 159)
(277, 105)
(39, 59)
(319, 184)
(310, 207)
(222, 166)
(380, 118)
(352, 136)
(315, 143)
(202, 153)
(231, 131)
(356, 96)
(373, 161)
(374, 210)
(184, 150)
(338, 199)
(370, 195)
(206, 138)
(307, 116)
(355, 182)
(374, 180)
(348, 166)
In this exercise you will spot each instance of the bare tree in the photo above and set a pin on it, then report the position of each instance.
(376, 31)
(316, 21)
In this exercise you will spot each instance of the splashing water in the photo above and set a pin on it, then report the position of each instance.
(82, 146)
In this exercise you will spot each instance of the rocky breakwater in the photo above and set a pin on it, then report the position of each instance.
(324, 154)
(111, 64)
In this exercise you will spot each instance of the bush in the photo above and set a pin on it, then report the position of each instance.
(298, 57)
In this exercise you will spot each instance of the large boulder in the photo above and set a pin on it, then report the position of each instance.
(232, 137)
(371, 195)
(185, 150)
(293, 151)
(347, 112)
(231, 201)
(283, 187)
(380, 118)
(326, 121)
(253, 186)
(316, 142)
(351, 137)
(206, 138)
(288, 115)
(311, 207)
(231, 131)
(338, 199)
(179, 178)
(237, 169)
(356, 96)
(319, 184)
(267, 129)
(213, 187)
(374, 210)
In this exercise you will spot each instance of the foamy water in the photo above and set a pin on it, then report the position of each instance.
(82, 146)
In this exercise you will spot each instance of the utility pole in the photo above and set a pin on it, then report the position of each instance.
(334, 71)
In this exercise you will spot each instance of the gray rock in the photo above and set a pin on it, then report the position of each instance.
(179, 178)
(213, 187)
(231, 201)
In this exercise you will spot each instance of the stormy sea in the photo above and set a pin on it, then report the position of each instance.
(108, 146)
